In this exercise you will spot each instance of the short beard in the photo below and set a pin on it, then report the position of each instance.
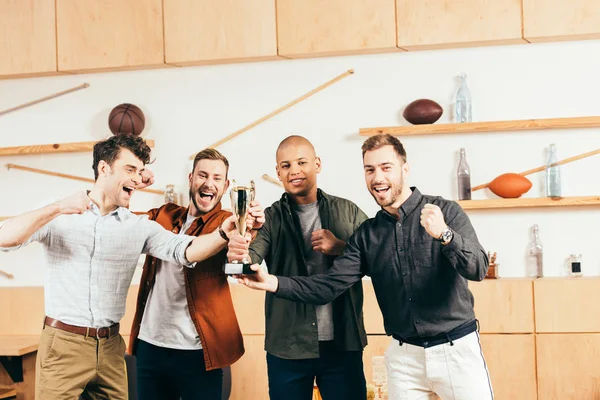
(193, 200)
(395, 196)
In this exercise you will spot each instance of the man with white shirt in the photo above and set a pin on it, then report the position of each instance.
(185, 329)
(92, 244)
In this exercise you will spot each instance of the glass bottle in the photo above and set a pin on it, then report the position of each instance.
(462, 105)
(171, 195)
(535, 256)
(464, 177)
(553, 183)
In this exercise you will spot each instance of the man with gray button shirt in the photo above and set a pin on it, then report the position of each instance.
(419, 251)
(302, 235)
(92, 244)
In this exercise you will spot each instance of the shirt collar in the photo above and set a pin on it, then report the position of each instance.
(121, 212)
(180, 220)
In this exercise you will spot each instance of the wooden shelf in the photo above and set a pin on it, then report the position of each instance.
(77, 147)
(529, 202)
(491, 126)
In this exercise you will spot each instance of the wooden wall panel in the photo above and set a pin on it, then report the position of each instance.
(27, 38)
(545, 21)
(567, 366)
(249, 308)
(21, 310)
(430, 24)
(310, 28)
(511, 364)
(208, 31)
(567, 304)
(109, 34)
(249, 374)
(504, 305)
(372, 312)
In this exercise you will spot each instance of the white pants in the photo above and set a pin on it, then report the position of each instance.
(453, 372)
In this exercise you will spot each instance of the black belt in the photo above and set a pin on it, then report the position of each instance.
(431, 341)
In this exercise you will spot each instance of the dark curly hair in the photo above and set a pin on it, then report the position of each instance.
(108, 150)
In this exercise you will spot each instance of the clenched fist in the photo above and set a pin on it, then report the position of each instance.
(256, 216)
(77, 203)
(146, 180)
(432, 220)
(324, 241)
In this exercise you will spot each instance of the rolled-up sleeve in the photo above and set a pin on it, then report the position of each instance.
(42, 235)
(166, 245)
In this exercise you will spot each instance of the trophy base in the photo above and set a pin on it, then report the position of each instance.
(238, 269)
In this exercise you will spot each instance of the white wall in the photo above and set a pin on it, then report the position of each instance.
(190, 108)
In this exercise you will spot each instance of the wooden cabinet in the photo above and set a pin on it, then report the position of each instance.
(511, 363)
(109, 34)
(310, 28)
(249, 375)
(567, 304)
(504, 305)
(209, 31)
(371, 311)
(27, 38)
(545, 21)
(567, 366)
(249, 308)
(429, 24)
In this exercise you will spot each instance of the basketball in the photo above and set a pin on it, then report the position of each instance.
(126, 119)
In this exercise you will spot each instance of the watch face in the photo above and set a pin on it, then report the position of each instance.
(447, 235)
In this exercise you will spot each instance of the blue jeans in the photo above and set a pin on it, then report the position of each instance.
(339, 374)
(169, 374)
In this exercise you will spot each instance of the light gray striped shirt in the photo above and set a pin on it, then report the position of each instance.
(91, 260)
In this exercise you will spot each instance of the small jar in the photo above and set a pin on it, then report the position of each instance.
(575, 265)
(170, 195)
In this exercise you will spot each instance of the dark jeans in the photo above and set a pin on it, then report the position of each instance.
(165, 374)
(339, 375)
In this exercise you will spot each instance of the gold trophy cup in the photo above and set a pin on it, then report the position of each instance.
(241, 196)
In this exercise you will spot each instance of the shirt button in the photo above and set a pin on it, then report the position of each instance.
(313, 324)
(410, 299)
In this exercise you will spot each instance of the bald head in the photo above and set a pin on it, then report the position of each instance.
(295, 141)
(297, 168)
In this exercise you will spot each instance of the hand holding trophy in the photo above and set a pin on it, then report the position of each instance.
(241, 196)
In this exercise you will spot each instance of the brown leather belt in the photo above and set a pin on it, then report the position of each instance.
(98, 333)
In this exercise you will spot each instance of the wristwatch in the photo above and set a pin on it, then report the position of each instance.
(223, 234)
(446, 236)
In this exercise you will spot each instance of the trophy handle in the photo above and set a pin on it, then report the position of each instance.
(252, 191)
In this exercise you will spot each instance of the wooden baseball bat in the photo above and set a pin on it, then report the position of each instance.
(52, 96)
(272, 180)
(280, 109)
(543, 167)
(6, 274)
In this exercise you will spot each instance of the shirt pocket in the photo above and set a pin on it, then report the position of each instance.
(422, 251)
